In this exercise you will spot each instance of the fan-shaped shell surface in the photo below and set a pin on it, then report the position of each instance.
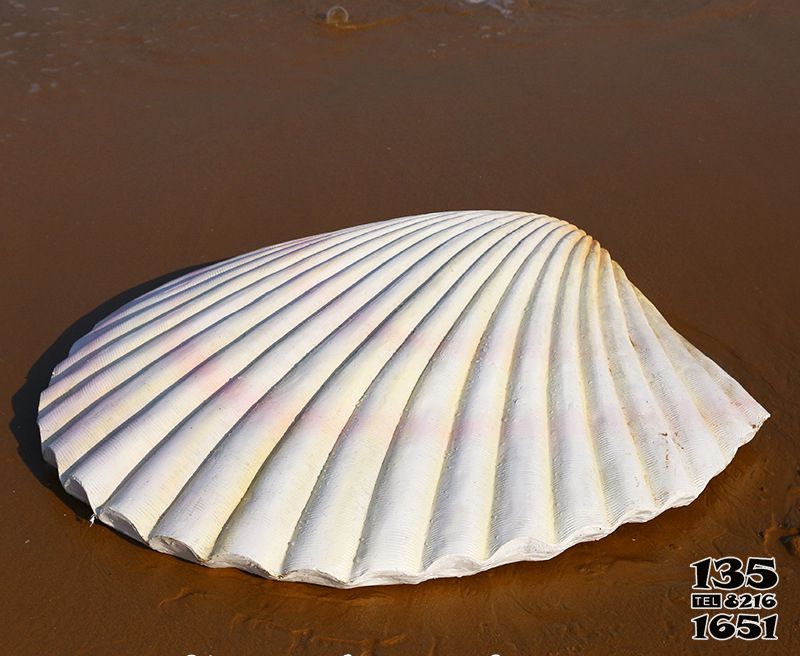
(422, 397)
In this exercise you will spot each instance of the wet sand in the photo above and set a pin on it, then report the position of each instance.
(139, 141)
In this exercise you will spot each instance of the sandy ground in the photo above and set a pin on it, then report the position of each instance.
(140, 139)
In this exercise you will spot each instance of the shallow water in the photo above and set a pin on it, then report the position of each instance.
(49, 45)
(141, 138)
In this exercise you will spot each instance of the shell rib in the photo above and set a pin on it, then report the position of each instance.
(422, 397)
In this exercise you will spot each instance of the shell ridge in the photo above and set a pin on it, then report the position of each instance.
(508, 517)
(603, 324)
(727, 420)
(211, 270)
(568, 424)
(315, 494)
(235, 261)
(208, 331)
(688, 389)
(349, 449)
(173, 286)
(204, 401)
(195, 411)
(70, 475)
(707, 382)
(319, 244)
(100, 339)
(277, 393)
(447, 509)
(753, 410)
(406, 306)
(500, 325)
(617, 454)
(375, 501)
(668, 389)
(222, 303)
(635, 382)
(441, 364)
(189, 284)
(580, 300)
(424, 416)
(358, 567)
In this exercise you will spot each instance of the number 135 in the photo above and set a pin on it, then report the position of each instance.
(731, 574)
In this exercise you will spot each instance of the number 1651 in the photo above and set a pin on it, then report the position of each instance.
(725, 626)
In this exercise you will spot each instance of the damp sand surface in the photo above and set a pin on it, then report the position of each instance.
(138, 140)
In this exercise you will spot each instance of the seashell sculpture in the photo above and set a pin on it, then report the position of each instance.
(423, 397)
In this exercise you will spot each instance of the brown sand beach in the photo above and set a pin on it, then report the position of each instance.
(140, 140)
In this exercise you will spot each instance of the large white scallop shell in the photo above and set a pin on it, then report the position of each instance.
(428, 396)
